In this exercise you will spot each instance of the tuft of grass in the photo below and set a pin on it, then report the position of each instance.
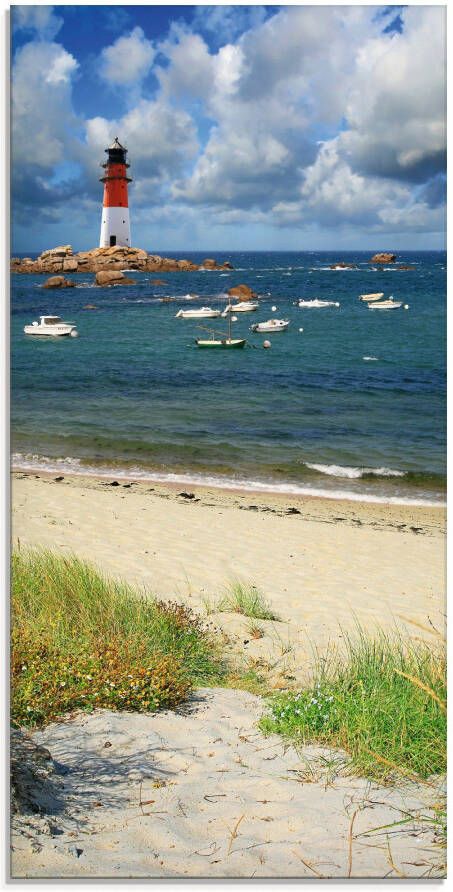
(248, 600)
(81, 641)
(383, 702)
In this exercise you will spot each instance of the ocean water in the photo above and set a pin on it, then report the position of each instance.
(352, 405)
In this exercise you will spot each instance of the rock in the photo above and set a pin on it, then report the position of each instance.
(343, 265)
(111, 277)
(402, 266)
(32, 769)
(61, 251)
(157, 282)
(186, 495)
(383, 257)
(116, 257)
(243, 292)
(90, 307)
(58, 282)
(70, 265)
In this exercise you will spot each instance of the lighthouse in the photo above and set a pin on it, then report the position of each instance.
(115, 226)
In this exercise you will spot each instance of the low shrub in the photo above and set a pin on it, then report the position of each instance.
(80, 641)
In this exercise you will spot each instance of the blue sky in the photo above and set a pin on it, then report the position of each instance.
(259, 127)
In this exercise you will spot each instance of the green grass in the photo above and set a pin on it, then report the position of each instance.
(248, 600)
(384, 703)
(81, 640)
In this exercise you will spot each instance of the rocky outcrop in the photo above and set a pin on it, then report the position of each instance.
(62, 259)
(59, 282)
(383, 257)
(242, 292)
(112, 277)
(343, 265)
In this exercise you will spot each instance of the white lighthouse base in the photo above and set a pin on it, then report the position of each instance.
(115, 228)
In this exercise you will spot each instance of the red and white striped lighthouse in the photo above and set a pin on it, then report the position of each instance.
(115, 225)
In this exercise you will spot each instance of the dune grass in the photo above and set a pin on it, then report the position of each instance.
(81, 640)
(246, 599)
(383, 702)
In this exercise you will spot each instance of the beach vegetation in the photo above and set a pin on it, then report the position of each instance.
(383, 701)
(246, 599)
(80, 640)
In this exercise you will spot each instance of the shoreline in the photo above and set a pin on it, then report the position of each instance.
(216, 482)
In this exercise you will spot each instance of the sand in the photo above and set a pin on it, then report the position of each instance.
(202, 793)
(322, 570)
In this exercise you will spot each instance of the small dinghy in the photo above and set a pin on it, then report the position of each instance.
(271, 325)
(316, 303)
(225, 343)
(220, 340)
(369, 297)
(53, 327)
(199, 313)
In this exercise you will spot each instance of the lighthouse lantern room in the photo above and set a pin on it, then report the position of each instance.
(115, 226)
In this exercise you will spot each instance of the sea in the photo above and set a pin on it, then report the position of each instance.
(347, 403)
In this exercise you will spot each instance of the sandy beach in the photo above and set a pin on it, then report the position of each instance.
(130, 797)
(323, 565)
(201, 793)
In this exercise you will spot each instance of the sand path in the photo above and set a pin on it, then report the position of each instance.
(202, 793)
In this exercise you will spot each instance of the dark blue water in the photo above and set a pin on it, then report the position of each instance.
(134, 394)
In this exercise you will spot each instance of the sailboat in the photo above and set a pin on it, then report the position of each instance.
(222, 343)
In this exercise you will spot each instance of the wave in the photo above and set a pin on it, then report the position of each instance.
(370, 358)
(33, 462)
(353, 473)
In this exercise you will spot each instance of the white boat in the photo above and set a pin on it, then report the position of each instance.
(244, 306)
(389, 304)
(315, 303)
(271, 325)
(369, 297)
(199, 313)
(53, 327)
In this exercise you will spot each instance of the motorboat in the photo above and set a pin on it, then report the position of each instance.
(370, 297)
(389, 304)
(198, 313)
(52, 326)
(316, 303)
(271, 325)
(244, 306)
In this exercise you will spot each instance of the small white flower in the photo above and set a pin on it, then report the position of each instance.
(62, 684)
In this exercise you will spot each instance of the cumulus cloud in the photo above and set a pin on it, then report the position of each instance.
(292, 116)
(39, 20)
(128, 60)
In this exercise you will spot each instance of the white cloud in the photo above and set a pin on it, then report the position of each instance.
(42, 112)
(40, 20)
(127, 60)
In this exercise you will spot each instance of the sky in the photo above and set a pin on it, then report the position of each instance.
(247, 127)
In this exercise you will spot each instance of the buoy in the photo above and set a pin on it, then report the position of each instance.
(266, 344)
(234, 318)
(406, 306)
(273, 309)
(337, 305)
(300, 329)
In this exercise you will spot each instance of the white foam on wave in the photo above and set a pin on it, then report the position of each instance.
(32, 462)
(370, 358)
(353, 473)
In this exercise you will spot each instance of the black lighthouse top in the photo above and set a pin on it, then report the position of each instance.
(116, 153)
